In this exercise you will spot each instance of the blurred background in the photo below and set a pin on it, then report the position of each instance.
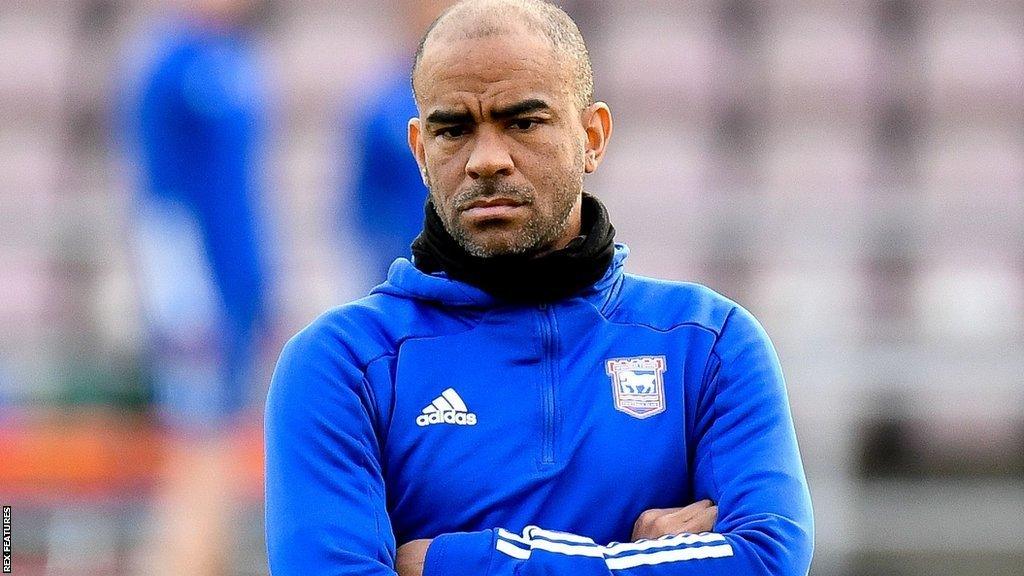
(852, 172)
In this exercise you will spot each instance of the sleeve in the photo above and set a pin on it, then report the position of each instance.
(325, 505)
(745, 459)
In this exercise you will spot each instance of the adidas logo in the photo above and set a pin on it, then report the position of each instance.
(447, 408)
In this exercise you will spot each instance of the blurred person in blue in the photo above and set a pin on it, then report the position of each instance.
(193, 117)
(385, 190)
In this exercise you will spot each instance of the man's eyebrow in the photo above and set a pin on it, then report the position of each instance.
(449, 117)
(520, 108)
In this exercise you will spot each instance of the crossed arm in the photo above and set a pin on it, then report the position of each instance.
(654, 523)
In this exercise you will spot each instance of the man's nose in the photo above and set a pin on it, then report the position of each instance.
(490, 156)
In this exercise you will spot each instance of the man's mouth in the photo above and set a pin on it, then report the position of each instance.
(487, 208)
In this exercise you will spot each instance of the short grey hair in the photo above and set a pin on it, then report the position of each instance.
(482, 18)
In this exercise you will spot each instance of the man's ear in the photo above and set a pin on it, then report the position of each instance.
(416, 146)
(597, 122)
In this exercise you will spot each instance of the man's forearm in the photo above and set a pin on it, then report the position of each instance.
(652, 524)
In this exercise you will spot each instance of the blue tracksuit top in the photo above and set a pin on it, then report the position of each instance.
(528, 439)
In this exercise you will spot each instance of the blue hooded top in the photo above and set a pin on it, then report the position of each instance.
(528, 439)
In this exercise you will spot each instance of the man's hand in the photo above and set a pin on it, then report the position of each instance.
(658, 522)
(410, 558)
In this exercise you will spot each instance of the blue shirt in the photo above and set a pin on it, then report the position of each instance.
(528, 439)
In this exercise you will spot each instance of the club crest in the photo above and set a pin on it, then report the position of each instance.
(638, 385)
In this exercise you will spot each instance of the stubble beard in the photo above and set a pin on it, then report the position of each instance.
(536, 236)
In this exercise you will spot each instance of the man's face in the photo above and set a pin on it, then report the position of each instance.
(501, 143)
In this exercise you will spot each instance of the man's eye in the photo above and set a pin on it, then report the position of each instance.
(524, 124)
(451, 132)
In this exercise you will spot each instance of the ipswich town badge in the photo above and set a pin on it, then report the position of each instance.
(638, 385)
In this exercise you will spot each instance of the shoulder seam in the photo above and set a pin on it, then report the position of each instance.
(721, 330)
(607, 314)
(669, 328)
(714, 397)
(712, 452)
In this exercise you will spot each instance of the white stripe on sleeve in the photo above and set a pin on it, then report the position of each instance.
(568, 549)
(699, 553)
(511, 536)
(667, 542)
(532, 531)
(512, 550)
(665, 549)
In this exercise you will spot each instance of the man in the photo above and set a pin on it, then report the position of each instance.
(194, 119)
(513, 402)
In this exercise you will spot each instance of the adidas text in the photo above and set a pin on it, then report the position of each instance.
(450, 417)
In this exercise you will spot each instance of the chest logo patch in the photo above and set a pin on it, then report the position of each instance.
(637, 384)
(448, 408)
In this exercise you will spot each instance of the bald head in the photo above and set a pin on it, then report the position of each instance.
(471, 19)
